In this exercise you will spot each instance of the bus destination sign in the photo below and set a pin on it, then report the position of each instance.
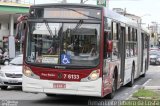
(71, 13)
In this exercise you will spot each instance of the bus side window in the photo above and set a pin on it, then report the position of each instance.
(107, 45)
(107, 37)
(115, 40)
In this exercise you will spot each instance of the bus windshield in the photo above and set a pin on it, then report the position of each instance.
(74, 44)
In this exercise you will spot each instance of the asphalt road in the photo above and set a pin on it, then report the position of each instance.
(15, 96)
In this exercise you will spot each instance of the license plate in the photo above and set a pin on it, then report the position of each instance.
(59, 85)
(13, 81)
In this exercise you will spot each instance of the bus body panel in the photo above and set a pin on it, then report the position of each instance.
(136, 67)
(92, 88)
(62, 74)
(108, 71)
(139, 50)
(128, 69)
(145, 52)
(75, 86)
(49, 77)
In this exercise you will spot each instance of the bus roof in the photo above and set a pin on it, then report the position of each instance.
(120, 18)
(108, 13)
(66, 4)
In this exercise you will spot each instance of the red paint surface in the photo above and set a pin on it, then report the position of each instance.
(61, 74)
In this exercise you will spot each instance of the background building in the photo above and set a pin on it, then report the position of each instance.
(154, 38)
(10, 10)
(153, 28)
(17, 1)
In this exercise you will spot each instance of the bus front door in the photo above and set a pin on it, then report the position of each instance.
(122, 52)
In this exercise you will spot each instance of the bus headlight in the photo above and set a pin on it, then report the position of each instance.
(94, 75)
(28, 73)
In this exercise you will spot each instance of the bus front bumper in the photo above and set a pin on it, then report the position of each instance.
(92, 88)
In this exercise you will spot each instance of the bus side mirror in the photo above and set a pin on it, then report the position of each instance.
(109, 46)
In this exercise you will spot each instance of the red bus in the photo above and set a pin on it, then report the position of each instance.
(77, 49)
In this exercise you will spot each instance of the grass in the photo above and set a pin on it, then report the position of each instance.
(146, 93)
(143, 96)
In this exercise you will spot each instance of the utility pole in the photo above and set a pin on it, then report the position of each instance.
(81, 1)
(64, 1)
(148, 27)
(125, 11)
(12, 52)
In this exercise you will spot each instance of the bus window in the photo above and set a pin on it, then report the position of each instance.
(127, 42)
(107, 37)
(115, 31)
(53, 42)
(133, 43)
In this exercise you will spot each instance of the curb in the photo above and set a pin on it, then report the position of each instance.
(152, 87)
(144, 86)
(132, 93)
(146, 83)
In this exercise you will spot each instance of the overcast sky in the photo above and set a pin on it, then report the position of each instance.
(147, 9)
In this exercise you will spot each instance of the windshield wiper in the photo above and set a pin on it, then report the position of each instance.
(48, 28)
(78, 24)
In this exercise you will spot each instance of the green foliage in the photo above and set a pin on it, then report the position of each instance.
(145, 93)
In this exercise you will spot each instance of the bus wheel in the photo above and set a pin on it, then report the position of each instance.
(130, 84)
(111, 95)
(50, 95)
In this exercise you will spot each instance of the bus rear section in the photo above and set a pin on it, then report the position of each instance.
(63, 52)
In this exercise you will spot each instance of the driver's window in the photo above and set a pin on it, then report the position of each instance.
(107, 36)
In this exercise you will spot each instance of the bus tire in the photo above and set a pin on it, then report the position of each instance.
(130, 84)
(112, 94)
(50, 95)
